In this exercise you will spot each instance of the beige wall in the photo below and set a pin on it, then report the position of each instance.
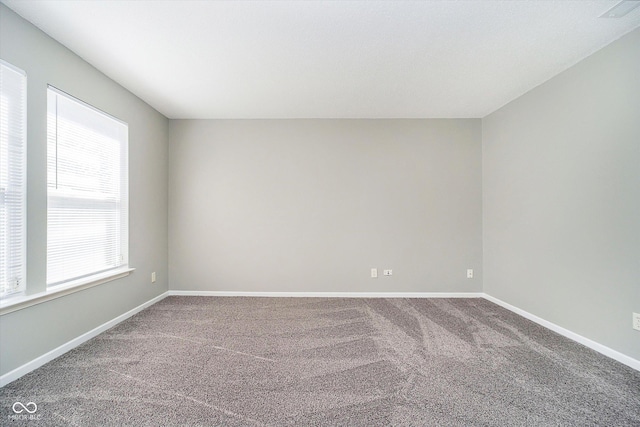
(561, 194)
(312, 205)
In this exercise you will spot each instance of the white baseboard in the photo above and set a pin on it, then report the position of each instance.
(329, 294)
(616, 355)
(47, 357)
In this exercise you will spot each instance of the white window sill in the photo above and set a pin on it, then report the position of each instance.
(19, 302)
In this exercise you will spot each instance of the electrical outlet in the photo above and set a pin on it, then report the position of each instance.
(388, 272)
(469, 273)
(374, 273)
(636, 321)
(153, 277)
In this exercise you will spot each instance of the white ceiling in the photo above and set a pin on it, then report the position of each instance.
(328, 59)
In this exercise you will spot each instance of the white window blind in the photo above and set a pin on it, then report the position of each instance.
(13, 144)
(87, 213)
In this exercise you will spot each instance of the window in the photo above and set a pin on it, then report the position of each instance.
(87, 174)
(13, 144)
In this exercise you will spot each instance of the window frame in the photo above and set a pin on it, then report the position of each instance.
(29, 297)
(21, 289)
(122, 210)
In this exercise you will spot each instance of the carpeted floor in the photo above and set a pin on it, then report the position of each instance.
(205, 361)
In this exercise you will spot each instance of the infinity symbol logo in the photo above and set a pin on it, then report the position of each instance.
(30, 407)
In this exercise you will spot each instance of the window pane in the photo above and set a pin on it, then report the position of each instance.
(13, 142)
(87, 190)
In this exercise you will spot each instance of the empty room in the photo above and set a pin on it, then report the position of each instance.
(319, 213)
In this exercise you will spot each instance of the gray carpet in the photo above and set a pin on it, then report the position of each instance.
(205, 361)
